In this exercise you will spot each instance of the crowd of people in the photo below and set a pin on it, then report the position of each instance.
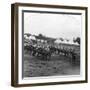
(46, 51)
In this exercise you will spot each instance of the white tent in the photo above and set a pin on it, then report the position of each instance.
(73, 43)
(58, 41)
(65, 42)
(76, 43)
(32, 37)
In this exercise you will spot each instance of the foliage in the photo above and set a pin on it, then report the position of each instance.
(77, 40)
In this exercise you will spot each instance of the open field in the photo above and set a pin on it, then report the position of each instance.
(58, 65)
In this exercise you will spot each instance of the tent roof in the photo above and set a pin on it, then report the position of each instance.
(65, 42)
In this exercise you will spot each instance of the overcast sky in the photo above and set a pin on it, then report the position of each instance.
(53, 25)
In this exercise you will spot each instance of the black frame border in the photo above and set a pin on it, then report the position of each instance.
(14, 43)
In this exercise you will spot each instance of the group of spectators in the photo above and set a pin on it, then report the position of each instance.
(46, 51)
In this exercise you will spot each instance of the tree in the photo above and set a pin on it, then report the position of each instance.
(40, 36)
(77, 40)
(67, 40)
(61, 39)
(74, 40)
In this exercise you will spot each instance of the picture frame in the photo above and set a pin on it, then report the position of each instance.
(30, 67)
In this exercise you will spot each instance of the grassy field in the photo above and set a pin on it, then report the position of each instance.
(58, 65)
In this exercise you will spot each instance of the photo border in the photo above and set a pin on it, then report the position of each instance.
(14, 43)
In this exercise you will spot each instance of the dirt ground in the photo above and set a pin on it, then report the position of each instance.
(58, 65)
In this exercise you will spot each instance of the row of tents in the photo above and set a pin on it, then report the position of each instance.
(45, 39)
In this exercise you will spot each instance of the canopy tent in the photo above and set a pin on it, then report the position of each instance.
(32, 37)
(58, 41)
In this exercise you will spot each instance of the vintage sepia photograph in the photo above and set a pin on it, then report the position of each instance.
(49, 44)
